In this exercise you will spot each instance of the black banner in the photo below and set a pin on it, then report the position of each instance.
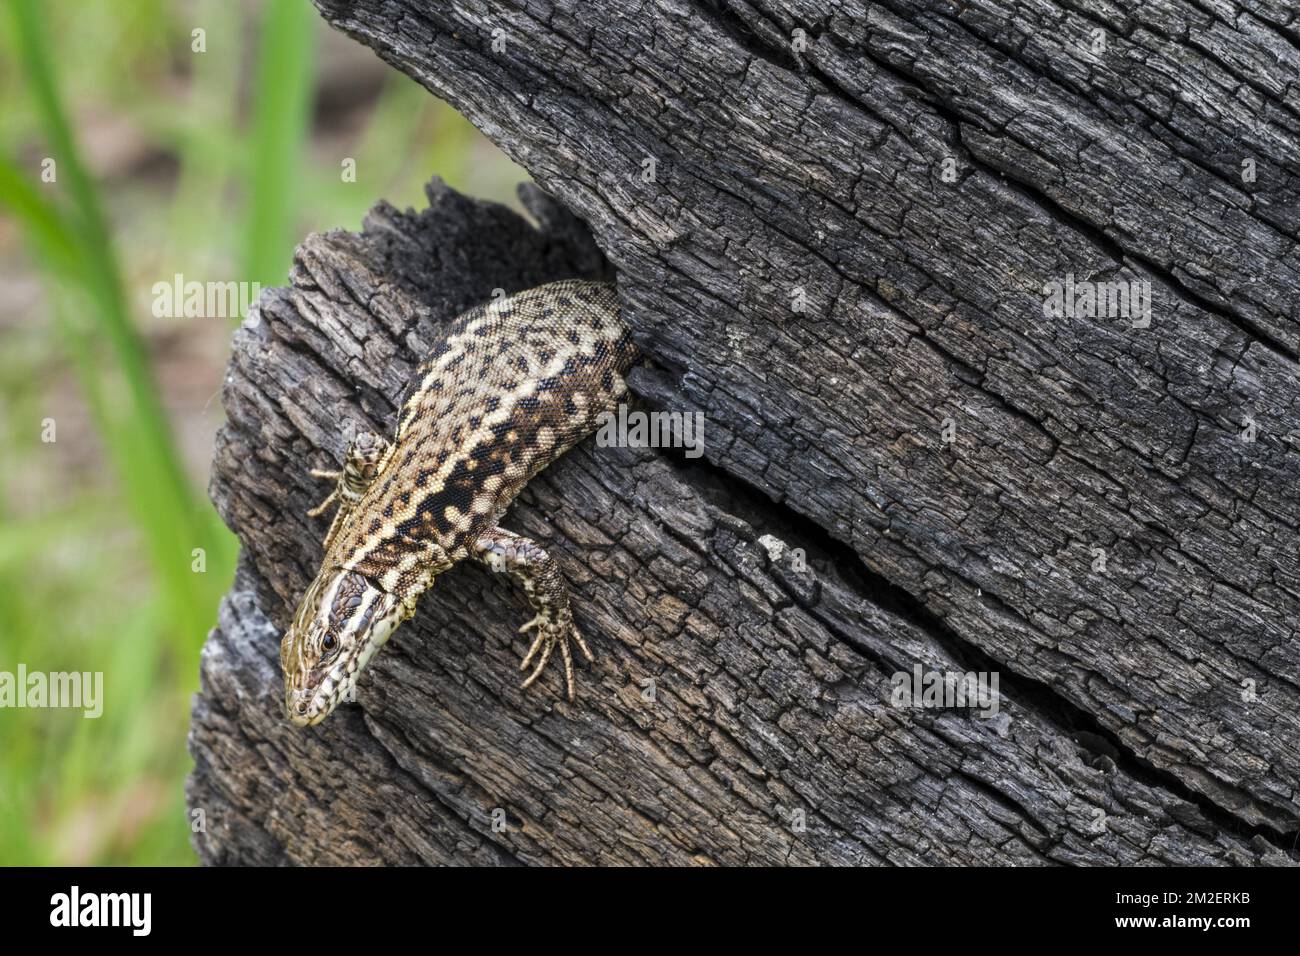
(239, 906)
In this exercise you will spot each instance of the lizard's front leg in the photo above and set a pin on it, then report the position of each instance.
(539, 575)
(367, 455)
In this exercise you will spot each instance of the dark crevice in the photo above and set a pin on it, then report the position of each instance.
(1242, 76)
(975, 379)
(366, 724)
(759, 39)
(1127, 255)
(738, 496)
(1173, 138)
(1041, 842)
(1099, 237)
(753, 42)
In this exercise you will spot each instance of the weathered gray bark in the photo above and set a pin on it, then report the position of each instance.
(1149, 699)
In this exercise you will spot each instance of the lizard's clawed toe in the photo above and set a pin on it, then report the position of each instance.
(550, 634)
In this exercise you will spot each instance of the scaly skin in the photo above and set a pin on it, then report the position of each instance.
(514, 385)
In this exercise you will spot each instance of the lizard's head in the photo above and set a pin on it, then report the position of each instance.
(342, 620)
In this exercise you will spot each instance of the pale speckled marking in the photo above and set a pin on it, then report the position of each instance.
(475, 428)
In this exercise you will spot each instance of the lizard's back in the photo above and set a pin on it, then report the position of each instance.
(513, 385)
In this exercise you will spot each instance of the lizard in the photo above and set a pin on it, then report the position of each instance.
(511, 386)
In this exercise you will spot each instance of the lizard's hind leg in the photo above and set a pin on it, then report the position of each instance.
(367, 455)
(539, 575)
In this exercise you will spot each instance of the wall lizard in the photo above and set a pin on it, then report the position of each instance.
(512, 386)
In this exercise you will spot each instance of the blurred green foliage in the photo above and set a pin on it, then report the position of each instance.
(98, 568)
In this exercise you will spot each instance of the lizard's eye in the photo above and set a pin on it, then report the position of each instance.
(328, 642)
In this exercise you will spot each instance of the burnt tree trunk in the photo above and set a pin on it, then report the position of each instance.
(834, 228)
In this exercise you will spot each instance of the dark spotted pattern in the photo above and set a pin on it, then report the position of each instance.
(513, 386)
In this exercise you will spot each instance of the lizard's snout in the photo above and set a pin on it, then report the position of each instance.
(298, 708)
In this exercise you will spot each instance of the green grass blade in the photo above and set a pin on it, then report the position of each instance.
(276, 151)
(77, 245)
